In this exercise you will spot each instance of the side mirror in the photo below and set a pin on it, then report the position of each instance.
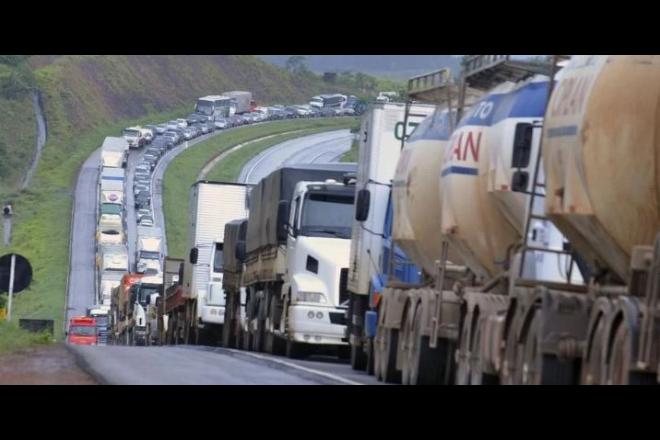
(240, 251)
(194, 254)
(282, 218)
(362, 205)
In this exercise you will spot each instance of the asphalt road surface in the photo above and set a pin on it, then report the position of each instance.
(317, 148)
(193, 364)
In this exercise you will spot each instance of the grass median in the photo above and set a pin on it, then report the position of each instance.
(182, 172)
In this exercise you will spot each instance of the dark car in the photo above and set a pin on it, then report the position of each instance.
(328, 112)
(154, 151)
(141, 199)
(173, 136)
(290, 113)
(163, 142)
(193, 118)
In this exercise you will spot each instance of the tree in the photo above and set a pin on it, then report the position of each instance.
(296, 64)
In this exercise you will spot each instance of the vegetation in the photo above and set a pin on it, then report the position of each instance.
(184, 169)
(87, 98)
(352, 154)
(13, 337)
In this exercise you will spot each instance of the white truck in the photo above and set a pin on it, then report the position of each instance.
(149, 249)
(242, 101)
(112, 262)
(114, 152)
(296, 256)
(381, 138)
(135, 137)
(213, 205)
(108, 281)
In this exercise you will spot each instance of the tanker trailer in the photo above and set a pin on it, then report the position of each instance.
(601, 145)
(403, 347)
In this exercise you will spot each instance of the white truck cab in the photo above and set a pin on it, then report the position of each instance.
(134, 136)
(318, 252)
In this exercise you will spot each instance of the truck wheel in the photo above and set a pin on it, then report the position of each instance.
(296, 350)
(246, 341)
(385, 351)
(274, 344)
(477, 374)
(423, 365)
(592, 364)
(228, 327)
(257, 339)
(539, 368)
(370, 356)
(463, 375)
(620, 362)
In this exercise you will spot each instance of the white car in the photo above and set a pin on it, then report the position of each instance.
(110, 236)
(146, 220)
(182, 123)
(142, 213)
(173, 125)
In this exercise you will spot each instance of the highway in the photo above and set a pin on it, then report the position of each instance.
(193, 364)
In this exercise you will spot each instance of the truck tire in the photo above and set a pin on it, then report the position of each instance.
(273, 344)
(358, 355)
(258, 340)
(229, 328)
(370, 356)
(592, 363)
(385, 351)
(620, 362)
(422, 365)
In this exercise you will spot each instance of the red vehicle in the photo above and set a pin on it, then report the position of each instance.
(82, 331)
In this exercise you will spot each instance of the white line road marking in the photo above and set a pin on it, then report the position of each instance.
(298, 367)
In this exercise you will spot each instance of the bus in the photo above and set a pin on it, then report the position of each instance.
(216, 106)
(329, 101)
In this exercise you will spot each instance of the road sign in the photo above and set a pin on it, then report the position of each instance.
(22, 273)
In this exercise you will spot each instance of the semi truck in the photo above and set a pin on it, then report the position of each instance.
(212, 206)
(241, 101)
(232, 284)
(381, 138)
(149, 249)
(135, 137)
(114, 152)
(100, 315)
(296, 259)
(122, 320)
(554, 281)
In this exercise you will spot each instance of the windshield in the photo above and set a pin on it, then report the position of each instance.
(145, 292)
(79, 330)
(101, 321)
(110, 208)
(217, 258)
(133, 133)
(204, 107)
(327, 215)
(149, 255)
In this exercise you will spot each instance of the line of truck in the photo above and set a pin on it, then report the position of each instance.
(506, 240)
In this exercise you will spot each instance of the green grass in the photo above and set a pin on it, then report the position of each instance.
(230, 168)
(13, 338)
(352, 154)
(42, 220)
(184, 169)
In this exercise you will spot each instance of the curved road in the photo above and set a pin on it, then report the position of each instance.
(193, 364)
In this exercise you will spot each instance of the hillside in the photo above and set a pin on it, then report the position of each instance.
(82, 93)
(87, 98)
(387, 66)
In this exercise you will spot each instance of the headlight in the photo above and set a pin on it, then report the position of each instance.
(312, 297)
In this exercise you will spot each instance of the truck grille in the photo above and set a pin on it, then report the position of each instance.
(343, 282)
(337, 318)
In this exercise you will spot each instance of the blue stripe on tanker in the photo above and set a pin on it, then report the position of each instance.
(527, 102)
(460, 170)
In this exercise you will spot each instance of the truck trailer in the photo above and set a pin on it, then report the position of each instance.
(114, 152)
(381, 138)
(148, 254)
(241, 101)
(202, 312)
